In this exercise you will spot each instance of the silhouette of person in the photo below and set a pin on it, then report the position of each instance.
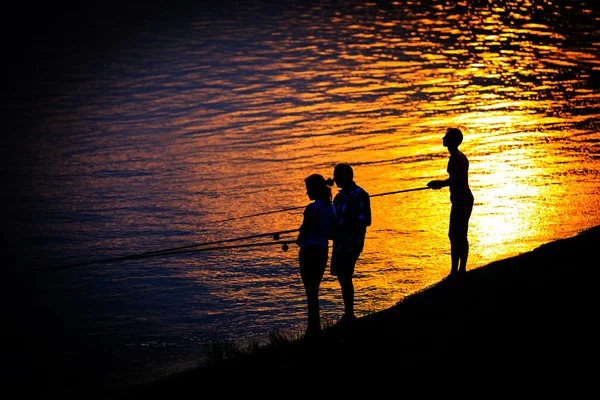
(461, 199)
(353, 216)
(313, 239)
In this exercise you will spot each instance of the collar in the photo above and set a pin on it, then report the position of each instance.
(351, 190)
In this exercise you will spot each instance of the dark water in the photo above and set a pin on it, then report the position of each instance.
(130, 130)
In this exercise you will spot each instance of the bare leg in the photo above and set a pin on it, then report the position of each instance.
(312, 268)
(314, 317)
(459, 249)
(455, 254)
(347, 287)
(457, 232)
(464, 256)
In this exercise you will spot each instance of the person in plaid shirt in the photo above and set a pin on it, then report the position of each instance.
(353, 216)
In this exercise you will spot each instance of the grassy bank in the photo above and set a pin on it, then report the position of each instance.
(526, 322)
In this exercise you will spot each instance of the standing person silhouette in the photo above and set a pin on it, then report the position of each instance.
(461, 199)
(353, 216)
(313, 239)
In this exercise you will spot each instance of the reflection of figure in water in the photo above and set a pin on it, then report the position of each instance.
(353, 216)
(461, 199)
(313, 239)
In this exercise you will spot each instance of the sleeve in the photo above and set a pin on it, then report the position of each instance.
(303, 227)
(365, 208)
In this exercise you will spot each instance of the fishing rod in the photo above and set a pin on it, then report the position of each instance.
(297, 208)
(399, 191)
(259, 214)
(275, 235)
(284, 247)
(190, 248)
(180, 250)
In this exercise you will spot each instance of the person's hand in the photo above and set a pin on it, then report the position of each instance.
(435, 185)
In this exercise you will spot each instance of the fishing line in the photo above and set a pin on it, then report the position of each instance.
(399, 191)
(190, 248)
(275, 235)
(178, 250)
(238, 246)
(297, 208)
(259, 214)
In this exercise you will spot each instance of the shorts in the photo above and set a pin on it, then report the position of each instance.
(313, 262)
(460, 213)
(343, 262)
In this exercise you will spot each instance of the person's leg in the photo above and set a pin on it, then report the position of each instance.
(312, 267)
(462, 251)
(346, 283)
(455, 255)
(463, 254)
(347, 287)
(455, 251)
(459, 221)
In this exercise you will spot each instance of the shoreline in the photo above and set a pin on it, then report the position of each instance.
(510, 321)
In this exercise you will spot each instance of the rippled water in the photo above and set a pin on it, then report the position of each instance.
(203, 114)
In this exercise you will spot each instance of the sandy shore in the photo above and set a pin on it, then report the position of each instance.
(523, 323)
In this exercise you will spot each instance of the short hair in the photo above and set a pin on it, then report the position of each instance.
(344, 169)
(455, 134)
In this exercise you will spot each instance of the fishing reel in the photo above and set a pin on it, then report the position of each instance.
(276, 236)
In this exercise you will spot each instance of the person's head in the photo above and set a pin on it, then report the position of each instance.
(317, 189)
(343, 175)
(453, 138)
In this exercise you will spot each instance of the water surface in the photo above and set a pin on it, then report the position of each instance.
(191, 116)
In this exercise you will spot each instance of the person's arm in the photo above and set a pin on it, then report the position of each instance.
(364, 212)
(333, 230)
(301, 235)
(367, 210)
(303, 227)
(437, 184)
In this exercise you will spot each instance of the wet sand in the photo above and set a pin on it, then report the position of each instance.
(526, 324)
